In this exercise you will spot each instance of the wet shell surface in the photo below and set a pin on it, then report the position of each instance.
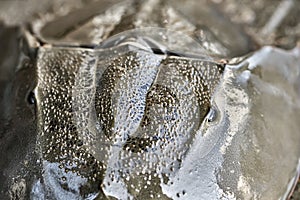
(144, 100)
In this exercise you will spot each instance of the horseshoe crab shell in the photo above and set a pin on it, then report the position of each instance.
(151, 113)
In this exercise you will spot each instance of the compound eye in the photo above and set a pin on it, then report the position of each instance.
(212, 115)
(31, 98)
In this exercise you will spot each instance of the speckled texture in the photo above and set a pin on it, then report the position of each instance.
(128, 114)
(110, 122)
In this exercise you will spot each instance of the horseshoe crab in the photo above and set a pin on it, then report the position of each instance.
(131, 100)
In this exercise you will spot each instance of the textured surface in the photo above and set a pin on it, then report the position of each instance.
(91, 111)
(141, 112)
